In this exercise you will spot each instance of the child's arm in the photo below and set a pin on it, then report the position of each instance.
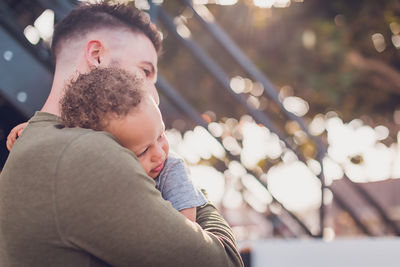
(176, 187)
(14, 134)
(189, 213)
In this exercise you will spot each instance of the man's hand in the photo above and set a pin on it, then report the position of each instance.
(14, 134)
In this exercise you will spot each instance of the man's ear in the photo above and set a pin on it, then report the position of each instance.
(93, 53)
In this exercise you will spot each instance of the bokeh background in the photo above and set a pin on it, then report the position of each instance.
(287, 112)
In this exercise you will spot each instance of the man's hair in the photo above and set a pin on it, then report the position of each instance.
(88, 16)
(93, 99)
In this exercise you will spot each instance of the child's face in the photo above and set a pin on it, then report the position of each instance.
(143, 132)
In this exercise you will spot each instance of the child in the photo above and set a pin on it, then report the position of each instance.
(115, 101)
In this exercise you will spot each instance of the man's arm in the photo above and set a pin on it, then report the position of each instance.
(107, 206)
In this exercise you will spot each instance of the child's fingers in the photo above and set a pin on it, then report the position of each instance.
(10, 142)
(14, 134)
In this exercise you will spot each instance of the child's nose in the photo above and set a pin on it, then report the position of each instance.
(158, 153)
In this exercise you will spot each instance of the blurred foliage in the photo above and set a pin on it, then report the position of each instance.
(323, 50)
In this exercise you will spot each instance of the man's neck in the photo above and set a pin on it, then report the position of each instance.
(61, 77)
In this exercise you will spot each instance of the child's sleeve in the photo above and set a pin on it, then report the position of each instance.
(176, 186)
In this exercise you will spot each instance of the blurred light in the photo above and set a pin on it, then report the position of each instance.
(396, 117)
(255, 203)
(207, 144)
(232, 199)
(45, 24)
(382, 132)
(314, 166)
(181, 28)
(236, 168)
(395, 28)
(258, 143)
(396, 41)
(285, 91)
(211, 180)
(253, 102)
(211, 115)
(296, 105)
(328, 196)
(203, 12)
(328, 234)
(225, 2)
(200, 2)
(258, 191)
(348, 140)
(295, 186)
(264, 3)
(339, 20)
(232, 145)
(317, 125)
(309, 39)
(332, 171)
(395, 148)
(379, 42)
(32, 34)
(282, 3)
(216, 129)
(142, 4)
(22, 97)
(161, 35)
(8, 55)
(377, 163)
(158, 2)
(231, 123)
(300, 137)
(289, 156)
(238, 84)
(257, 89)
(275, 208)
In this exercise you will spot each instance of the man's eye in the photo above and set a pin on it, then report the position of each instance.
(146, 72)
(142, 153)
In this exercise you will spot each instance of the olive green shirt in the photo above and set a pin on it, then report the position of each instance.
(75, 197)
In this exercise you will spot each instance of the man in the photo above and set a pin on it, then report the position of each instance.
(75, 197)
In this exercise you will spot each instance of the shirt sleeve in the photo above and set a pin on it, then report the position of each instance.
(176, 186)
(105, 205)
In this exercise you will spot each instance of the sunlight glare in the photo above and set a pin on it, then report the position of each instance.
(225, 2)
(317, 125)
(264, 3)
(203, 12)
(238, 84)
(211, 180)
(379, 42)
(295, 186)
(296, 105)
(32, 34)
(396, 41)
(258, 143)
(45, 24)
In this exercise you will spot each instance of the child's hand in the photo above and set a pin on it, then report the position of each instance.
(14, 134)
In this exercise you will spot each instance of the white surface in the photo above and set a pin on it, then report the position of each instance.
(368, 252)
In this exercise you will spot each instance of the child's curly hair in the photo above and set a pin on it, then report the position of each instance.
(91, 99)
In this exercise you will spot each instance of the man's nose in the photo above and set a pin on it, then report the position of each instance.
(153, 91)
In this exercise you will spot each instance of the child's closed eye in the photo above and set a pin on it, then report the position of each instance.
(142, 153)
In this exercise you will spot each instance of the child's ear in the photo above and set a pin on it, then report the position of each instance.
(93, 53)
